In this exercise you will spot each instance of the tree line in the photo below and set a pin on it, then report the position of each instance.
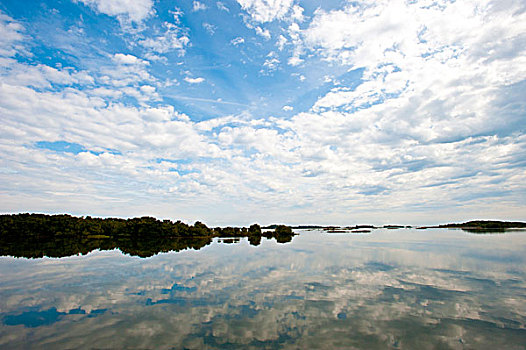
(38, 235)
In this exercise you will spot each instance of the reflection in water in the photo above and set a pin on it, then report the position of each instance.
(387, 289)
(144, 247)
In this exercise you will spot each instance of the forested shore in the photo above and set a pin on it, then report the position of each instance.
(39, 235)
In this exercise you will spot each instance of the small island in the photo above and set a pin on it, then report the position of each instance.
(486, 226)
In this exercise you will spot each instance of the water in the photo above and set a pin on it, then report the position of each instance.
(399, 289)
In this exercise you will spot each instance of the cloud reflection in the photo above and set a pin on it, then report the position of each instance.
(383, 290)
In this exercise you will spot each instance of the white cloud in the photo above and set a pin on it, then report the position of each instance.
(194, 80)
(11, 36)
(173, 38)
(294, 33)
(198, 6)
(128, 59)
(105, 92)
(128, 71)
(423, 66)
(271, 62)
(297, 13)
(281, 42)
(266, 11)
(177, 14)
(148, 89)
(314, 157)
(369, 34)
(263, 32)
(222, 6)
(288, 108)
(295, 61)
(210, 28)
(134, 10)
(237, 41)
(43, 76)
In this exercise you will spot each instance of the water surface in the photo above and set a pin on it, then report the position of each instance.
(400, 289)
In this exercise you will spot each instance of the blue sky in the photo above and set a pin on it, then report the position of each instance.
(233, 112)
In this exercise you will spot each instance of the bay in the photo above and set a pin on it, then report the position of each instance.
(400, 289)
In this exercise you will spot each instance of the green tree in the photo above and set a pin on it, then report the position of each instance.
(254, 229)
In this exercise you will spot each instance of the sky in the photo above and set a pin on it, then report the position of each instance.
(235, 112)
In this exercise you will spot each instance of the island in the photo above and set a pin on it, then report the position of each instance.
(485, 226)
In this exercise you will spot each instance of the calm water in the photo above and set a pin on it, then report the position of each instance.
(396, 289)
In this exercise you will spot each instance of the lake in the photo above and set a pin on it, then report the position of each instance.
(397, 289)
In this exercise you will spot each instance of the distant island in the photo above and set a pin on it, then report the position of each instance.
(486, 226)
(475, 226)
(39, 235)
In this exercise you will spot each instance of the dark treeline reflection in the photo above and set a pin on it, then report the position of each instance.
(39, 235)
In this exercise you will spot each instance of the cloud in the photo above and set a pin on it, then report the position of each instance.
(402, 54)
(198, 6)
(11, 36)
(124, 76)
(288, 108)
(210, 28)
(311, 157)
(237, 41)
(271, 62)
(128, 59)
(281, 42)
(134, 10)
(418, 31)
(294, 61)
(194, 80)
(263, 32)
(266, 11)
(222, 7)
(297, 13)
(173, 38)
(43, 76)
(149, 90)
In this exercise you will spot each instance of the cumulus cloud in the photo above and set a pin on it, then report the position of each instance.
(128, 59)
(401, 56)
(271, 62)
(237, 41)
(294, 61)
(199, 6)
(43, 76)
(197, 80)
(134, 10)
(266, 11)
(263, 32)
(281, 42)
(297, 13)
(127, 74)
(171, 38)
(210, 28)
(222, 6)
(448, 35)
(11, 36)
